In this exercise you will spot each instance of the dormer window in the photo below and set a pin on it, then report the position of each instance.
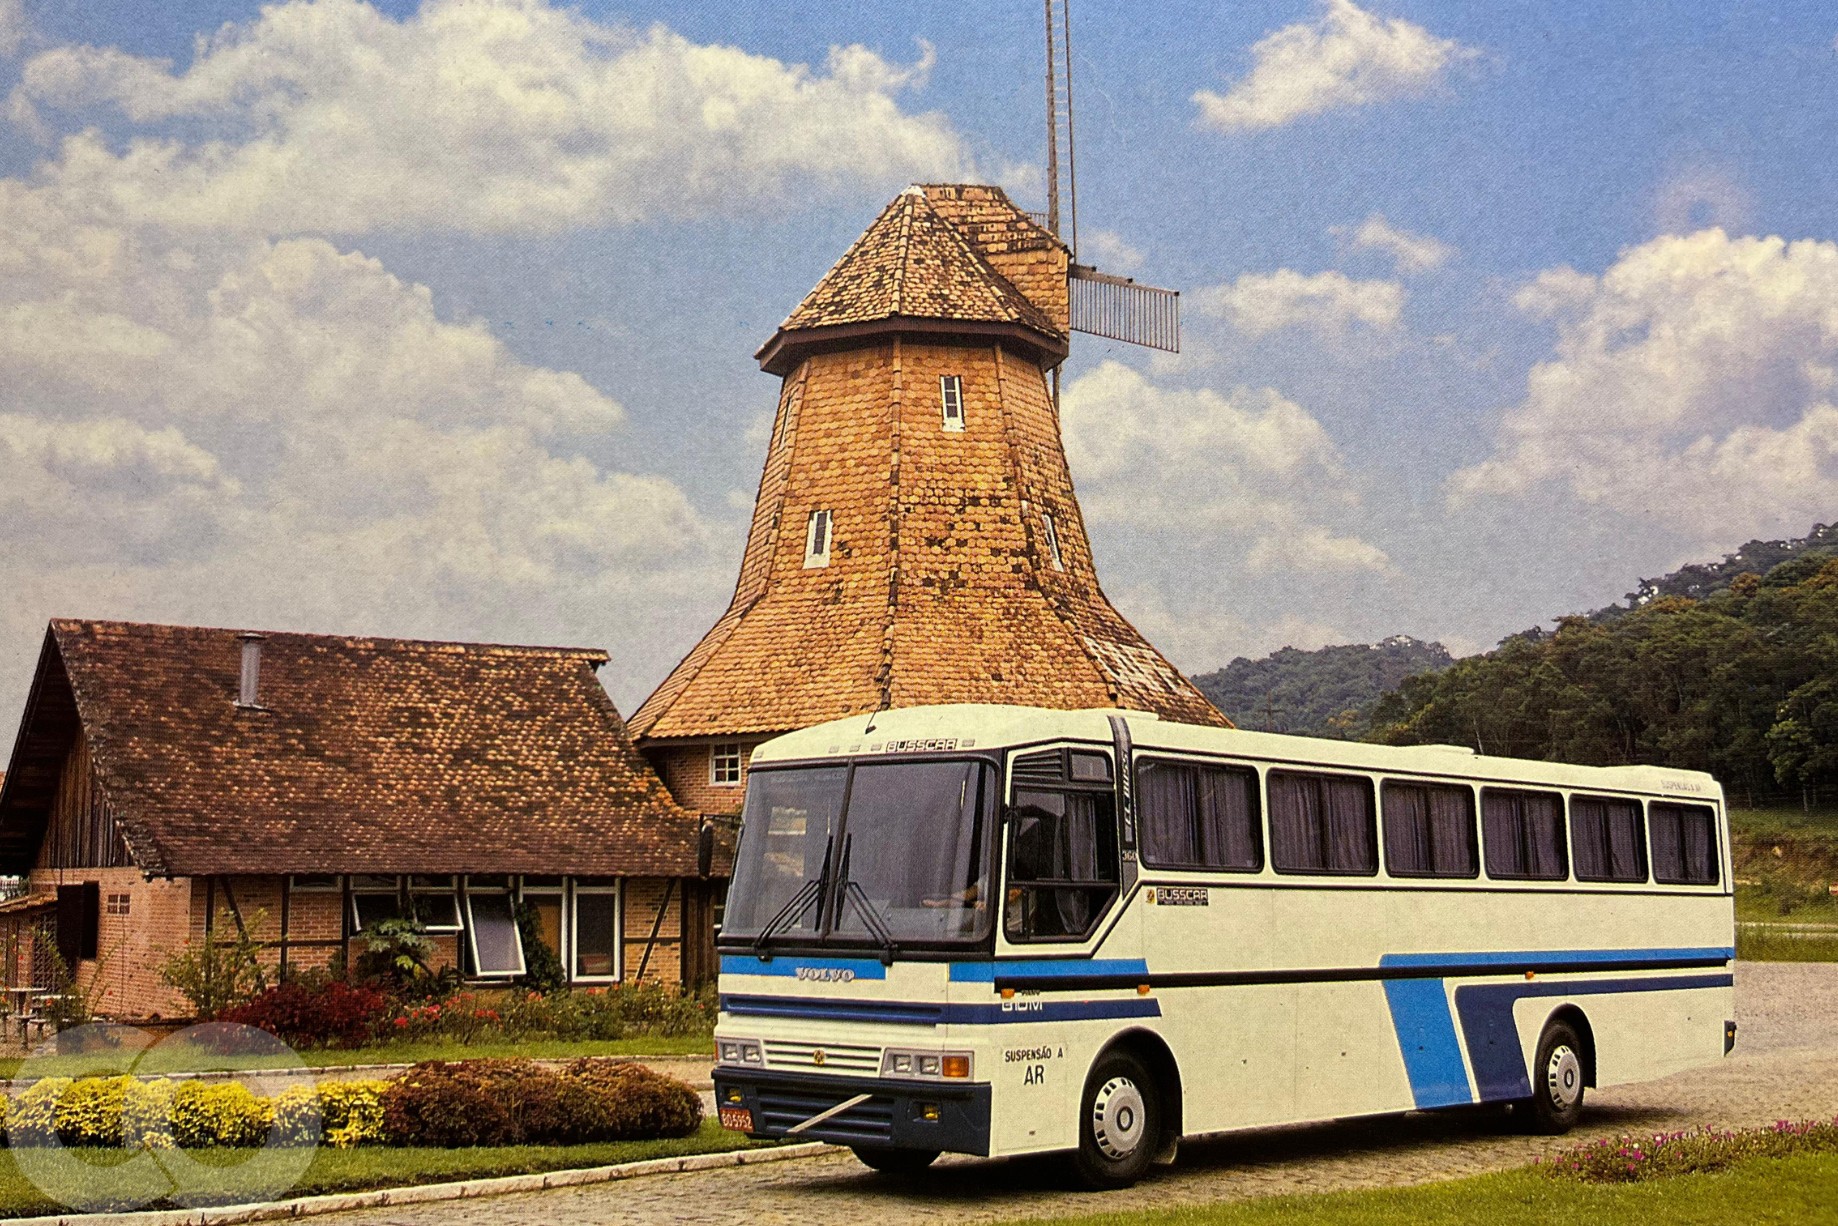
(951, 399)
(817, 540)
(1046, 518)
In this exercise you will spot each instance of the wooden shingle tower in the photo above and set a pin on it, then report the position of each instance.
(916, 538)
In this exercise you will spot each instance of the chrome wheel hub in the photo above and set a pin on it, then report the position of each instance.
(1563, 1077)
(1117, 1118)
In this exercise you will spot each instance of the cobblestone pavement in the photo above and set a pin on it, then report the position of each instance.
(1785, 1066)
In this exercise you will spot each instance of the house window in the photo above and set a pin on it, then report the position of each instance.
(315, 883)
(726, 763)
(373, 900)
(596, 932)
(547, 897)
(951, 398)
(492, 939)
(435, 902)
(817, 540)
(1046, 518)
(118, 904)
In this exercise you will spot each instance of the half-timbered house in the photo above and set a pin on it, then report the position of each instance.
(169, 780)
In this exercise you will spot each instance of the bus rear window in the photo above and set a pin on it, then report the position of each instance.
(1607, 839)
(1524, 833)
(1197, 815)
(1684, 844)
(1429, 831)
(1322, 824)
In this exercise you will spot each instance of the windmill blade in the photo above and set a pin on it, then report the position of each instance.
(1119, 309)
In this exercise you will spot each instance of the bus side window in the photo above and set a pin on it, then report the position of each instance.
(1684, 844)
(1062, 864)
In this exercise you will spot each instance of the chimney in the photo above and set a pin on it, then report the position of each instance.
(249, 695)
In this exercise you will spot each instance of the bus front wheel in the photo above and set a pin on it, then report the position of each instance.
(1557, 1081)
(1120, 1123)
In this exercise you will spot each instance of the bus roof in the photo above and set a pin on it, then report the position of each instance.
(979, 726)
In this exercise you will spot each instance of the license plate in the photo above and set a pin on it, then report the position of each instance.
(737, 1119)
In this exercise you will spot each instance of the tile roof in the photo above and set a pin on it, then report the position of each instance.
(914, 264)
(367, 755)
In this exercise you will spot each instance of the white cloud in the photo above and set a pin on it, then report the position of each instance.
(1692, 387)
(1108, 250)
(1409, 252)
(476, 115)
(1252, 466)
(1329, 302)
(13, 26)
(1347, 58)
(281, 433)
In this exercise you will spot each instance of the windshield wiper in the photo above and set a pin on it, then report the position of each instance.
(872, 921)
(800, 902)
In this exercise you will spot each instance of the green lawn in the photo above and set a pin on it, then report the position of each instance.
(1763, 1190)
(349, 1170)
(395, 1053)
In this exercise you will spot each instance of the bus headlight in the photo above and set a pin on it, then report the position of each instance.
(930, 1065)
(738, 1051)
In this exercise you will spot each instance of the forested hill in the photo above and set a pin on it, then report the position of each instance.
(1701, 579)
(1318, 693)
(1742, 683)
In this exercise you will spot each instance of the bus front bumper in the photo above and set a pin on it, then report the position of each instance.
(896, 1114)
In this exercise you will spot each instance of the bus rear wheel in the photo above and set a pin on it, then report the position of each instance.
(894, 1161)
(1120, 1123)
(1557, 1081)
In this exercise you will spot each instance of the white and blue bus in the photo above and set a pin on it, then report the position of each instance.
(1003, 930)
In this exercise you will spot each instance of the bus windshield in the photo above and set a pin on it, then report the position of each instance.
(878, 853)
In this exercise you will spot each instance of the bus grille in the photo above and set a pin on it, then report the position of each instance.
(869, 1121)
(842, 1057)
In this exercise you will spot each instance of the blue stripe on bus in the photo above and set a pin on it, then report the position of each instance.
(1486, 1011)
(1535, 958)
(789, 965)
(904, 1013)
(1047, 968)
(1426, 1035)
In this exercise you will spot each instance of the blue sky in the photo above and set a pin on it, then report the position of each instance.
(437, 319)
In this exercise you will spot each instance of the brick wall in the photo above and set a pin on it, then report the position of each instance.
(643, 896)
(124, 979)
(685, 771)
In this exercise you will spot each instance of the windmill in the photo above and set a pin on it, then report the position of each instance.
(1101, 304)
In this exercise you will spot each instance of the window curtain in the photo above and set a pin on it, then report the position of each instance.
(1228, 818)
(1407, 829)
(1295, 823)
(1605, 837)
(1351, 846)
(1429, 831)
(1684, 845)
(1166, 809)
(1525, 834)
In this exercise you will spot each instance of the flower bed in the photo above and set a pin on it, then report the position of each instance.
(437, 1103)
(1630, 1159)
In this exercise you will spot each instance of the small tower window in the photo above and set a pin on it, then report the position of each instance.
(817, 540)
(1046, 518)
(725, 760)
(951, 397)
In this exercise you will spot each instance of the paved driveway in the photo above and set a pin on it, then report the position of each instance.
(1786, 1066)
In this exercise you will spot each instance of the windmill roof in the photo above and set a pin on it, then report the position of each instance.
(914, 263)
(366, 755)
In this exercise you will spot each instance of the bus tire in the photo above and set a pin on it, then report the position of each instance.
(1120, 1123)
(894, 1161)
(1557, 1081)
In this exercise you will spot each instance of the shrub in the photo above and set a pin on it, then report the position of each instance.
(88, 1112)
(225, 1113)
(351, 1112)
(396, 952)
(31, 1116)
(518, 1102)
(1629, 1159)
(328, 1014)
(220, 971)
(628, 1102)
(146, 1114)
(543, 971)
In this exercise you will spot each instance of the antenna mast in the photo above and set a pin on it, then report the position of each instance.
(1062, 178)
